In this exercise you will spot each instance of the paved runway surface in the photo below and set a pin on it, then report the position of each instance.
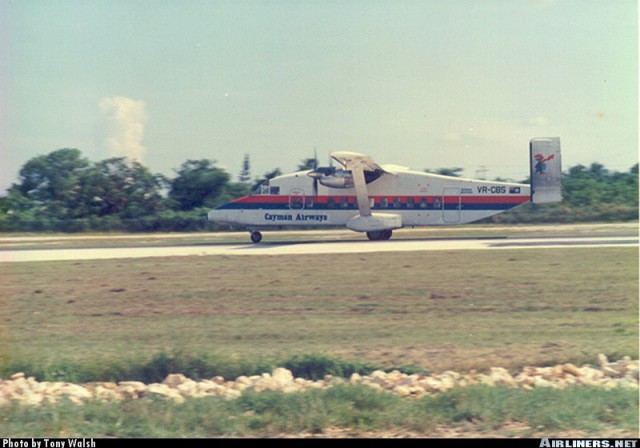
(315, 247)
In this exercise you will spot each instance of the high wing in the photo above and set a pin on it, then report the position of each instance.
(353, 160)
(358, 164)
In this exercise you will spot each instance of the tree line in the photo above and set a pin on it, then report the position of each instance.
(64, 192)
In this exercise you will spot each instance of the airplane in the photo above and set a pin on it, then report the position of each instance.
(378, 199)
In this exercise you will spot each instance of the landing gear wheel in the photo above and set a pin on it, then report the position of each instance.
(379, 235)
(373, 236)
(256, 236)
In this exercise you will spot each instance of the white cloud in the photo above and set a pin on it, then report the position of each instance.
(126, 120)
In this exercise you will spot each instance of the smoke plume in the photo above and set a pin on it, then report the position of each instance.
(126, 119)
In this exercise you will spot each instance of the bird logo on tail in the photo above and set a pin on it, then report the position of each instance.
(541, 164)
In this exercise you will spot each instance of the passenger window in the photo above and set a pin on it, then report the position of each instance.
(384, 202)
(309, 201)
(410, 203)
(397, 203)
(423, 202)
(344, 203)
(331, 203)
(296, 202)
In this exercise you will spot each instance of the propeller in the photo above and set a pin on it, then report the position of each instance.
(315, 167)
(320, 172)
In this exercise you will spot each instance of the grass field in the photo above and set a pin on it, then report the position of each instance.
(343, 411)
(457, 310)
(432, 310)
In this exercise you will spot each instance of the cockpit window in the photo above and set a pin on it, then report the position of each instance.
(258, 189)
(265, 189)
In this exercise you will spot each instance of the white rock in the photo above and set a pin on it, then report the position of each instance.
(28, 391)
(375, 386)
(74, 390)
(539, 381)
(355, 378)
(602, 360)
(403, 391)
(501, 376)
(281, 376)
(188, 388)
(243, 380)
(103, 393)
(571, 369)
(175, 379)
(232, 394)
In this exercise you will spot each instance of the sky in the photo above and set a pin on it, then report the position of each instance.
(422, 83)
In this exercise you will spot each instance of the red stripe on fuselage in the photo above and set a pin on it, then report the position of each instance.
(504, 199)
(262, 199)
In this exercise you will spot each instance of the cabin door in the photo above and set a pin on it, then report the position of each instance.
(451, 205)
(296, 199)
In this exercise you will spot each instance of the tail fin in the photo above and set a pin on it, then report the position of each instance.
(546, 170)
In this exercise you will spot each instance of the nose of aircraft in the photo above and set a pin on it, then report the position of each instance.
(217, 215)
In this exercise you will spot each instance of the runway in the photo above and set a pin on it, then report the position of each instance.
(22, 254)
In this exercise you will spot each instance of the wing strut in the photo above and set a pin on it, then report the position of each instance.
(362, 194)
(357, 164)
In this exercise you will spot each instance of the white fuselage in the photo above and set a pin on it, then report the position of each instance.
(412, 198)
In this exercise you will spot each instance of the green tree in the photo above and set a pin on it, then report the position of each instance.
(579, 188)
(199, 183)
(117, 186)
(245, 173)
(308, 164)
(265, 177)
(233, 190)
(62, 191)
(455, 172)
(589, 194)
(53, 180)
(16, 208)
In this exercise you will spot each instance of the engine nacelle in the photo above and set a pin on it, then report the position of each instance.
(375, 222)
(337, 178)
(333, 178)
(345, 181)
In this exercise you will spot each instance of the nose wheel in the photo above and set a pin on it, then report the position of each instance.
(256, 236)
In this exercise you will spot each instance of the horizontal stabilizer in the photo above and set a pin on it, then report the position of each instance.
(546, 170)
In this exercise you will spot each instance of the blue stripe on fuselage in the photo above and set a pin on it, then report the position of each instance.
(337, 206)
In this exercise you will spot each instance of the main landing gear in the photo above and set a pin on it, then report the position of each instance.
(256, 236)
(379, 235)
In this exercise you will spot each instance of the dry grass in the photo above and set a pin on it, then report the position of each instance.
(437, 310)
